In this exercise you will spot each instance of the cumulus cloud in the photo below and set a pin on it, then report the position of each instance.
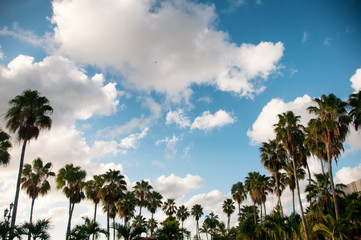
(166, 47)
(72, 94)
(173, 186)
(356, 80)
(178, 117)
(262, 128)
(209, 121)
(347, 175)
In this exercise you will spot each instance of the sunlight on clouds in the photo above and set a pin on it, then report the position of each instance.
(356, 80)
(347, 175)
(165, 48)
(262, 128)
(178, 117)
(132, 141)
(208, 121)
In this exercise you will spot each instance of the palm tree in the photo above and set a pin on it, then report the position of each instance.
(126, 206)
(332, 123)
(252, 188)
(182, 215)
(273, 158)
(37, 230)
(88, 228)
(92, 188)
(331, 228)
(290, 133)
(141, 190)
(264, 186)
(197, 212)
(28, 114)
(355, 112)
(71, 180)
(169, 207)
(212, 221)
(239, 194)
(35, 182)
(129, 232)
(228, 208)
(316, 147)
(113, 188)
(154, 200)
(290, 179)
(4, 148)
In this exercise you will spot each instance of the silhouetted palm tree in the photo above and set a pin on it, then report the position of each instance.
(355, 112)
(239, 194)
(126, 206)
(28, 114)
(71, 180)
(154, 200)
(35, 182)
(141, 190)
(182, 215)
(169, 207)
(5, 145)
(197, 212)
(39, 230)
(228, 208)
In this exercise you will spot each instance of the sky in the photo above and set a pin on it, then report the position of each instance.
(179, 93)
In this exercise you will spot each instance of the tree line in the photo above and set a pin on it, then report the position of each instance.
(330, 215)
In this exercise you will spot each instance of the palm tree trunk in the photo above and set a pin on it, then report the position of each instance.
(198, 230)
(182, 230)
(114, 228)
(95, 216)
(323, 170)
(254, 213)
(309, 173)
(71, 208)
(108, 236)
(31, 215)
(293, 199)
(261, 212)
(229, 221)
(151, 226)
(13, 217)
(239, 207)
(264, 206)
(331, 182)
(140, 214)
(299, 199)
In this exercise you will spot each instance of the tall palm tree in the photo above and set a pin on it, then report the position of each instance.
(154, 200)
(228, 208)
(290, 133)
(355, 112)
(252, 187)
(316, 147)
(239, 194)
(273, 158)
(92, 188)
(197, 212)
(126, 206)
(264, 188)
(169, 207)
(141, 190)
(88, 228)
(113, 188)
(28, 114)
(332, 123)
(71, 180)
(4, 148)
(35, 181)
(290, 178)
(182, 215)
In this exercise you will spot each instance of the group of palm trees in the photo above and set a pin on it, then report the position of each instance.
(285, 157)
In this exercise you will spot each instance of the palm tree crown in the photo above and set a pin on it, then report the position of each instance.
(4, 148)
(28, 114)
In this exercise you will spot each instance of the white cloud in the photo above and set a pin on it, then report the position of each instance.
(158, 164)
(166, 47)
(177, 187)
(178, 117)
(208, 121)
(72, 94)
(132, 141)
(347, 175)
(356, 80)
(262, 128)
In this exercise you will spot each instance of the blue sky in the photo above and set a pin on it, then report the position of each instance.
(181, 93)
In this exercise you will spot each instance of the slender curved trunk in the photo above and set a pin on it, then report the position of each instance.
(260, 206)
(114, 228)
(31, 214)
(322, 168)
(299, 199)
(140, 214)
(264, 206)
(331, 181)
(309, 173)
(13, 217)
(197, 226)
(71, 208)
(108, 235)
(182, 230)
(95, 216)
(229, 221)
(151, 226)
(293, 199)
(239, 207)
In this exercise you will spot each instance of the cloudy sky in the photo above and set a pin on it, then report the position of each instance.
(177, 92)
